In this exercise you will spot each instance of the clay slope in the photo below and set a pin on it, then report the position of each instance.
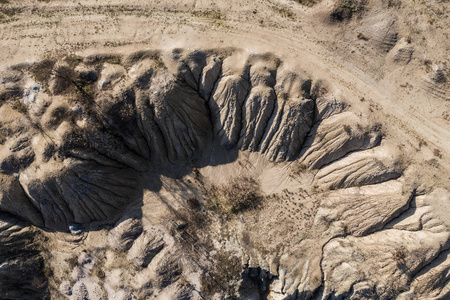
(127, 148)
(120, 116)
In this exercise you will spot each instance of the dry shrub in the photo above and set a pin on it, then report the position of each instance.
(209, 14)
(42, 71)
(346, 9)
(399, 255)
(239, 194)
(224, 277)
(298, 168)
(309, 3)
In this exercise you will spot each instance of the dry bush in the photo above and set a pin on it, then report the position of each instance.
(399, 255)
(346, 9)
(284, 12)
(20, 107)
(348, 129)
(42, 71)
(437, 153)
(224, 277)
(309, 3)
(73, 60)
(239, 194)
(298, 168)
(209, 14)
(193, 203)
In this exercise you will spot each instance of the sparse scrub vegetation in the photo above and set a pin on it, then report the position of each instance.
(399, 255)
(394, 3)
(362, 37)
(437, 153)
(308, 3)
(20, 107)
(210, 14)
(73, 60)
(98, 271)
(284, 12)
(7, 13)
(224, 277)
(193, 203)
(42, 71)
(346, 9)
(298, 168)
(115, 60)
(348, 129)
(2, 137)
(72, 261)
(239, 194)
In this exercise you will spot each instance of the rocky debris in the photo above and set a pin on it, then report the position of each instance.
(65, 288)
(439, 73)
(80, 292)
(30, 93)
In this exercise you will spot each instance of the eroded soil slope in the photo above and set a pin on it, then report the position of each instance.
(300, 151)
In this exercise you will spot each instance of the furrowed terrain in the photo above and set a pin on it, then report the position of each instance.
(273, 150)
